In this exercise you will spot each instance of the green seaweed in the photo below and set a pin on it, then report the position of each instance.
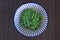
(31, 19)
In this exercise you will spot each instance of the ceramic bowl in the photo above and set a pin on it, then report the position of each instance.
(27, 32)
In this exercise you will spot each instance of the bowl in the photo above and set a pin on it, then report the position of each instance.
(28, 32)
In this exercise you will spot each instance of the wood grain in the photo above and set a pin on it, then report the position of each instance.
(7, 11)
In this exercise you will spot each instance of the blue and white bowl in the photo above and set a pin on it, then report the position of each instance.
(27, 32)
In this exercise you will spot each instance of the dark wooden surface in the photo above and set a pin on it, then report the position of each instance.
(7, 11)
(57, 20)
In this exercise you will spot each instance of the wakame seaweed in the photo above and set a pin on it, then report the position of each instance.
(31, 19)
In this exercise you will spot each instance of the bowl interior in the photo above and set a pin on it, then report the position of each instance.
(29, 32)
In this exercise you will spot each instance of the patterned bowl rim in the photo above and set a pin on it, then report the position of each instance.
(19, 29)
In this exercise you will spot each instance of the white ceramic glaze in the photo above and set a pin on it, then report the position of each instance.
(28, 32)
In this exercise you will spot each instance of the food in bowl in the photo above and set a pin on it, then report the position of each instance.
(31, 19)
(27, 27)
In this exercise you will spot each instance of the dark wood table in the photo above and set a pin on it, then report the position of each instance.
(7, 11)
